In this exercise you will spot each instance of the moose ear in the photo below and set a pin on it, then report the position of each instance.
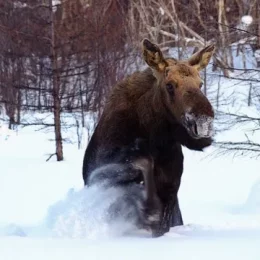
(201, 59)
(153, 56)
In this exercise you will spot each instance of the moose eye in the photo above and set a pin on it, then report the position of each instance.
(170, 87)
(201, 84)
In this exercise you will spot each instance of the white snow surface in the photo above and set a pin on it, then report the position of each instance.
(247, 19)
(47, 214)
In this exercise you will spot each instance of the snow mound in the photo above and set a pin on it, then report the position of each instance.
(83, 214)
(14, 230)
(252, 204)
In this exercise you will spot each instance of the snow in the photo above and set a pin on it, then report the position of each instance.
(5, 132)
(257, 55)
(247, 19)
(162, 12)
(18, 4)
(56, 2)
(170, 247)
(47, 214)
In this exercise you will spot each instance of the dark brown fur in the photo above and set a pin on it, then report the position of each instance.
(141, 107)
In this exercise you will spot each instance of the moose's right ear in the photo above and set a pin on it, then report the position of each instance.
(153, 56)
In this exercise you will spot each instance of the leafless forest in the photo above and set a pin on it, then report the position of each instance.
(63, 57)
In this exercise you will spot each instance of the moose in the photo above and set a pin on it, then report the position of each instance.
(164, 106)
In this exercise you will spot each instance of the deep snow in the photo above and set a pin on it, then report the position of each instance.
(45, 213)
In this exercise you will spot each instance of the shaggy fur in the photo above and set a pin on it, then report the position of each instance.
(152, 105)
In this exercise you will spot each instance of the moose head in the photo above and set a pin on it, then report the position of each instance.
(180, 84)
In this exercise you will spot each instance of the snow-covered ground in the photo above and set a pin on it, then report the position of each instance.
(46, 213)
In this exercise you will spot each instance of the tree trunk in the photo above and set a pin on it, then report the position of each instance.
(222, 29)
(56, 90)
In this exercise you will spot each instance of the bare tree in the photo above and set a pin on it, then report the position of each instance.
(56, 86)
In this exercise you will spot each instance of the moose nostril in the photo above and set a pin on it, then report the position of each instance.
(195, 128)
(190, 117)
(191, 123)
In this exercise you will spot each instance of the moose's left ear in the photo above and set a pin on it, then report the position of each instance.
(153, 56)
(201, 59)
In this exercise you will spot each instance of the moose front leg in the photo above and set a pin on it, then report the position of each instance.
(165, 224)
(171, 216)
(176, 219)
(168, 172)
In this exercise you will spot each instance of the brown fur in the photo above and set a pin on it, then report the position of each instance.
(141, 107)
